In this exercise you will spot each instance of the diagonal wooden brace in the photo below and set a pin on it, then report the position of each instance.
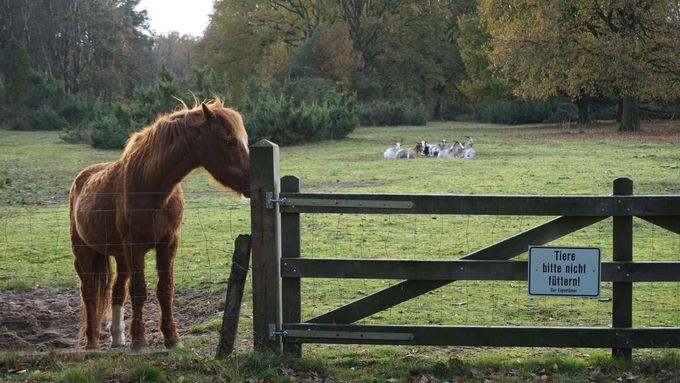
(668, 222)
(503, 250)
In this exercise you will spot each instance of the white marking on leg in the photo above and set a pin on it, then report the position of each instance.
(117, 326)
(106, 322)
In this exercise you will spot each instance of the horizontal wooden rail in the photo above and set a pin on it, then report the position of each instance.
(461, 270)
(553, 205)
(497, 336)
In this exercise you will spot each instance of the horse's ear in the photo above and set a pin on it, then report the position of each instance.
(209, 115)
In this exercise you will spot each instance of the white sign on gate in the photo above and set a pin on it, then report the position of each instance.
(564, 271)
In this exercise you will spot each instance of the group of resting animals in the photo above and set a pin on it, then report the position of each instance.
(457, 150)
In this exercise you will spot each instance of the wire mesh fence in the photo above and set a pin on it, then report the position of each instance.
(491, 303)
(40, 304)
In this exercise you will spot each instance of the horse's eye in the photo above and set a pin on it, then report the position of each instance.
(231, 141)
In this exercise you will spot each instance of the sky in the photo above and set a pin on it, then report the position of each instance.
(185, 16)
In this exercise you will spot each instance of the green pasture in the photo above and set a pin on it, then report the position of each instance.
(36, 169)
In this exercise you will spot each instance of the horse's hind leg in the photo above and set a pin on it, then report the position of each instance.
(165, 290)
(118, 295)
(94, 272)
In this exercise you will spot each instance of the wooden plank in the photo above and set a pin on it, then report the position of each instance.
(622, 248)
(586, 205)
(671, 223)
(240, 262)
(503, 250)
(404, 269)
(291, 305)
(482, 270)
(641, 271)
(496, 336)
(266, 244)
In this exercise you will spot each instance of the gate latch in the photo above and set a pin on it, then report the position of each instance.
(269, 196)
(273, 332)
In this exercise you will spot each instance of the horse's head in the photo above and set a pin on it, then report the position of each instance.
(222, 147)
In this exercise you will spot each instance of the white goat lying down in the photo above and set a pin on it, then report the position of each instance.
(392, 152)
(455, 151)
(411, 153)
(468, 152)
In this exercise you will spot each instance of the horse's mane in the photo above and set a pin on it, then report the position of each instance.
(168, 133)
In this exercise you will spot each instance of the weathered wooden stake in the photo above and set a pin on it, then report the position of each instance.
(622, 295)
(237, 279)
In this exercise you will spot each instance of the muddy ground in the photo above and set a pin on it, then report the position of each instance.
(47, 318)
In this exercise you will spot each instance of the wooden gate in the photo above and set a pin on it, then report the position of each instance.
(276, 205)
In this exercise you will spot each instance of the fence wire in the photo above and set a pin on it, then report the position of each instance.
(40, 304)
(40, 301)
(497, 303)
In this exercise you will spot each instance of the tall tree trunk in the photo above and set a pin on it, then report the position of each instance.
(437, 112)
(630, 115)
(583, 111)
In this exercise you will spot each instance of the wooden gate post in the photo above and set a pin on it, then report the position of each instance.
(622, 296)
(266, 244)
(290, 248)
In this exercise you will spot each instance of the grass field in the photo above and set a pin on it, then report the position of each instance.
(36, 170)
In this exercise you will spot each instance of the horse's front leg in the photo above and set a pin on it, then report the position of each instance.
(118, 296)
(165, 259)
(137, 296)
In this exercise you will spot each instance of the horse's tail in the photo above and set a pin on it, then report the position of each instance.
(99, 282)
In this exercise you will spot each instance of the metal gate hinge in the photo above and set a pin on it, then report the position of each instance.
(273, 332)
(269, 196)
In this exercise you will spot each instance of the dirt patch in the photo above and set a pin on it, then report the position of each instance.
(47, 318)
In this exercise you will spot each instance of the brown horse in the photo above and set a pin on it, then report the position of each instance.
(128, 207)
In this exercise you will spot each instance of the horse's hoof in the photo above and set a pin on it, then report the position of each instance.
(138, 347)
(117, 342)
(138, 350)
(172, 344)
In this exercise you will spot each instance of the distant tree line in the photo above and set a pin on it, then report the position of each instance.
(314, 69)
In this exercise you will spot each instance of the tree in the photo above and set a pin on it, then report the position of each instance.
(327, 54)
(417, 55)
(99, 47)
(367, 22)
(407, 47)
(178, 52)
(250, 34)
(15, 70)
(480, 84)
(30, 100)
(625, 49)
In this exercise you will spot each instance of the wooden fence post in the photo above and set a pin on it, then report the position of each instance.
(290, 248)
(266, 244)
(622, 296)
(232, 308)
